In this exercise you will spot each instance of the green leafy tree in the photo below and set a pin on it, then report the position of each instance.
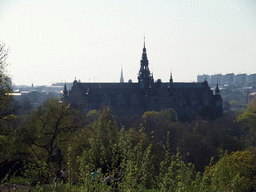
(150, 121)
(233, 102)
(167, 116)
(159, 121)
(93, 115)
(8, 148)
(178, 176)
(8, 121)
(137, 160)
(48, 127)
(248, 122)
(5, 84)
(25, 105)
(103, 140)
(234, 172)
(167, 122)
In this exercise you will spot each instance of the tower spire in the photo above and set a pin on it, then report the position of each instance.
(122, 76)
(144, 48)
(144, 40)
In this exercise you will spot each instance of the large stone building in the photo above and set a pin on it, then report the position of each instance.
(187, 99)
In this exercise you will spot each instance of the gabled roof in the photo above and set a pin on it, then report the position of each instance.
(108, 85)
(109, 88)
(185, 85)
(115, 86)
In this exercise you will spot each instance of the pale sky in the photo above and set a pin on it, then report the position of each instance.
(57, 40)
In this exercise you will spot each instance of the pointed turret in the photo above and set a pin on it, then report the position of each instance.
(218, 101)
(144, 77)
(75, 82)
(171, 80)
(217, 91)
(65, 91)
(122, 76)
(205, 83)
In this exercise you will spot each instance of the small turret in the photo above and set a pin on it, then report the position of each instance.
(218, 100)
(217, 91)
(152, 79)
(75, 82)
(171, 80)
(205, 83)
(65, 91)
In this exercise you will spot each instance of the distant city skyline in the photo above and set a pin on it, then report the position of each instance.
(56, 41)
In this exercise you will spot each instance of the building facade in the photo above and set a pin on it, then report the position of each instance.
(252, 78)
(216, 79)
(241, 79)
(187, 99)
(202, 78)
(228, 79)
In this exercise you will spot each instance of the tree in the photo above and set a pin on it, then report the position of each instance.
(7, 120)
(92, 116)
(50, 125)
(234, 172)
(150, 121)
(103, 139)
(7, 138)
(5, 84)
(167, 116)
(248, 122)
(24, 106)
(233, 102)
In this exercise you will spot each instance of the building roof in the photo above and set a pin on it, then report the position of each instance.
(252, 94)
(130, 88)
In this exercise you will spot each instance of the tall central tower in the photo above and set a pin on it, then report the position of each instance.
(144, 78)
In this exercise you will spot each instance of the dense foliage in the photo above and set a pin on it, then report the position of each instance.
(155, 152)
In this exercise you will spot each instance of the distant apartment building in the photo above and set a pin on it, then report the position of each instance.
(241, 79)
(216, 79)
(202, 78)
(250, 97)
(228, 79)
(252, 78)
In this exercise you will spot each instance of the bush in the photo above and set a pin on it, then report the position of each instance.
(38, 173)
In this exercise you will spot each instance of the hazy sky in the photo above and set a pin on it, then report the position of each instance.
(53, 41)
